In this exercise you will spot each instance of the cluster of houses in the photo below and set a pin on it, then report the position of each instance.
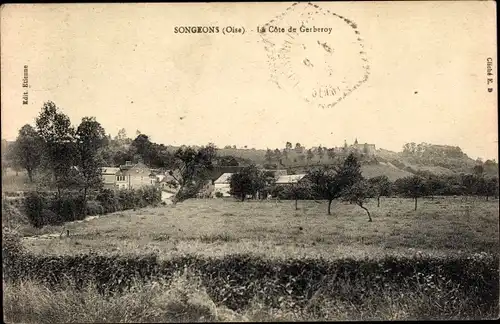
(137, 175)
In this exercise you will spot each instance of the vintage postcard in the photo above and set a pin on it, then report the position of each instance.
(296, 161)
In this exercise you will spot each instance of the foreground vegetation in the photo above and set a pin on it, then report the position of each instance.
(223, 260)
(98, 288)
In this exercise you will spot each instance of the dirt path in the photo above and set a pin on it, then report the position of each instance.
(63, 232)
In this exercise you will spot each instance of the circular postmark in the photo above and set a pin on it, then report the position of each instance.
(315, 53)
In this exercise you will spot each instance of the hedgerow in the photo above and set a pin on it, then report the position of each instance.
(43, 209)
(237, 279)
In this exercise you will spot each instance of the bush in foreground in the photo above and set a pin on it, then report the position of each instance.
(180, 300)
(12, 217)
(184, 299)
(12, 248)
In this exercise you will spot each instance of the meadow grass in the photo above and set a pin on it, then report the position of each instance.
(219, 227)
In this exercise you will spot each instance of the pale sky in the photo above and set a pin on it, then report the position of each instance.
(123, 64)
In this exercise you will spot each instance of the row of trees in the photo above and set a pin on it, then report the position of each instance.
(344, 181)
(327, 182)
(302, 155)
(71, 158)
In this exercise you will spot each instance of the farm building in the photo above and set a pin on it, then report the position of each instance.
(222, 185)
(134, 176)
(128, 176)
(109, 176)
(289, 179)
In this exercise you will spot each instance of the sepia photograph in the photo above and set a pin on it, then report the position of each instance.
(249, 162)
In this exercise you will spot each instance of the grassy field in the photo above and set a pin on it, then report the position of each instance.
(434, 263)
(220, 227)
(17, 181)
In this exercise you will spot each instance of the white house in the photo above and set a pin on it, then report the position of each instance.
(289, 179)
(167, 194)
(222, 185)
(109, 176)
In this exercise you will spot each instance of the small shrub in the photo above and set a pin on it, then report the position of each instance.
(34, 204)
(94, 208)
(108, 200)
(219, 194)
(68, 208)
(48, 217)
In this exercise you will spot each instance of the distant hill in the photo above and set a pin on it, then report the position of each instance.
(383, 168)
(254, 155)
(436, 159)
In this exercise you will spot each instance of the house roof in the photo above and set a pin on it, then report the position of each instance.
(223, 179)
(288, 179)
(109, 170)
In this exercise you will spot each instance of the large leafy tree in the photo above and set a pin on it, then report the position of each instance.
(491, 187)
(247, 181)
(329, 181)
(325, 183)
(321, 152)
(487, 187)
(298, 190)
(269, 155)
(55, 129)
(358, 193)
(90, 139)
(349, 172)
(265, 183)
(192, 168)
(469, 184)
(144, 149)
(277, 155)
(412, 186)
(27, 150)
(310, 155)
